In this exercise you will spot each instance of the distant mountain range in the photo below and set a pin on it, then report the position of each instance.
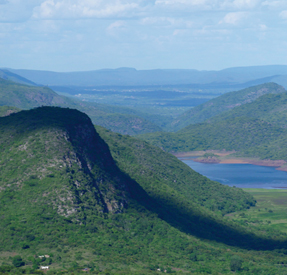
(240, 77)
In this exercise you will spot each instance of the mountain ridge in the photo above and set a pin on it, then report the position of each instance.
(131, 76)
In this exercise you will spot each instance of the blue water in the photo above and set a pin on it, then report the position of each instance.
(241, 175)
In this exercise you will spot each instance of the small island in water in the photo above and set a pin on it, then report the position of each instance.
(229, 157)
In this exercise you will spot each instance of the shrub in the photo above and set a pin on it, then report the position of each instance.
(17, 261)
(5, 268)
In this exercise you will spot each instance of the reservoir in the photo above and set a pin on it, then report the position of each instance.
(241, 175)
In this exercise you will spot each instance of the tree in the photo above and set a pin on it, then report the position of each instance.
(17, 261)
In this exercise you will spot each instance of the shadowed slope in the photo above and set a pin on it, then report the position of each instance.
(183, 197)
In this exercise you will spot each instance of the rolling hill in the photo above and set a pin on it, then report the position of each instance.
(6, 74)
(271, 108)
(116, 205)
(119, 119)
(224, 103)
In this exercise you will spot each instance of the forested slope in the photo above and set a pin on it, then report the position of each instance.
(241, 134)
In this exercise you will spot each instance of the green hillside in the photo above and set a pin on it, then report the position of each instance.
(271, 108)
(116, 205)
(224, 103)
(122, 120)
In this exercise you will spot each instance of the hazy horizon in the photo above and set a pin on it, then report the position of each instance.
(136, 69)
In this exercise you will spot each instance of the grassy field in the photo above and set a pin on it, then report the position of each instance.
(271, 209)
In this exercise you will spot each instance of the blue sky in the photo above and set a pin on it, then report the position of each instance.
(78, 35)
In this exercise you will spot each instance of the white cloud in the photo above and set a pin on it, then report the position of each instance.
(185, 2)
(283, 14)
(17, 10)
(263, 27)
(233, 18)
(161, 27)
(240, 4)
(211, 4)
(179, 32)
(275, 3)
(76, 9)
(116, 27)
(167, 22)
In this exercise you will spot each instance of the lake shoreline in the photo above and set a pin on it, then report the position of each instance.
(223, 157)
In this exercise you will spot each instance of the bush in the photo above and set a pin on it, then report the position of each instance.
(235, 263)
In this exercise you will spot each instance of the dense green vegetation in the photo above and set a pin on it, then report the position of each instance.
(240, 134)
(116, 205)
(119, 119)
(225, 103)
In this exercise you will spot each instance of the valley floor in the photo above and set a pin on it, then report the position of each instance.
(271, 209)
